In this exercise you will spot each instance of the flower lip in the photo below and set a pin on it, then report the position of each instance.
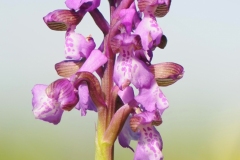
(45, 108)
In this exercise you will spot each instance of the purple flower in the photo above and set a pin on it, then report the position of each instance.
(129, 69)
(150, 142)
(77, 46)
(141, 124)
(49, 102)
(152, 98)
(148, 28)
(87, 5)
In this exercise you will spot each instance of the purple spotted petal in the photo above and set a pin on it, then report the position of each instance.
(94, 61)
(129, 68)
(85, 102)
(149, 145)
(126, 135)
(152, 98)
(77, 46)
(87, 5)
(149, 32)
(45, 108)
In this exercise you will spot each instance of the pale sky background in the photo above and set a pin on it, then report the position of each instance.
(202, 122)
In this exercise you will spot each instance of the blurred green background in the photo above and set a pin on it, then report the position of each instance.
(202, 122)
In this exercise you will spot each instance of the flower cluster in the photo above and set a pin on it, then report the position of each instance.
(122, 62)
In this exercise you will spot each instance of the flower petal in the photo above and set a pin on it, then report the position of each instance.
(126, 16)
(62, 90)
(61, 20)
(126, 95)
(94, 61)
(77, 46)
(45, 108)
(149, 144)
(152, 98)
(85, 102)
(163, 9)
(126, 135)
(149, 32)
(129, 68)
(167, 73)
(68, 68)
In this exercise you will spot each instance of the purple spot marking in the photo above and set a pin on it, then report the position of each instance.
(150, 135)
(149, 129)
(161, 95)
(164, 99)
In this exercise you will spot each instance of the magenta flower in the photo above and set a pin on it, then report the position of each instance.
(152, 98)
(148, 28)
(129, 69)
(49, 102)
(150, 142)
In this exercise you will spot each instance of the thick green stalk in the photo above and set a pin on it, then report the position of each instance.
(105, 114)
(102, 151)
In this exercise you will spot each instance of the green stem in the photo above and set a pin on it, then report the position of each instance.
(105, 114)
(103, 151)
